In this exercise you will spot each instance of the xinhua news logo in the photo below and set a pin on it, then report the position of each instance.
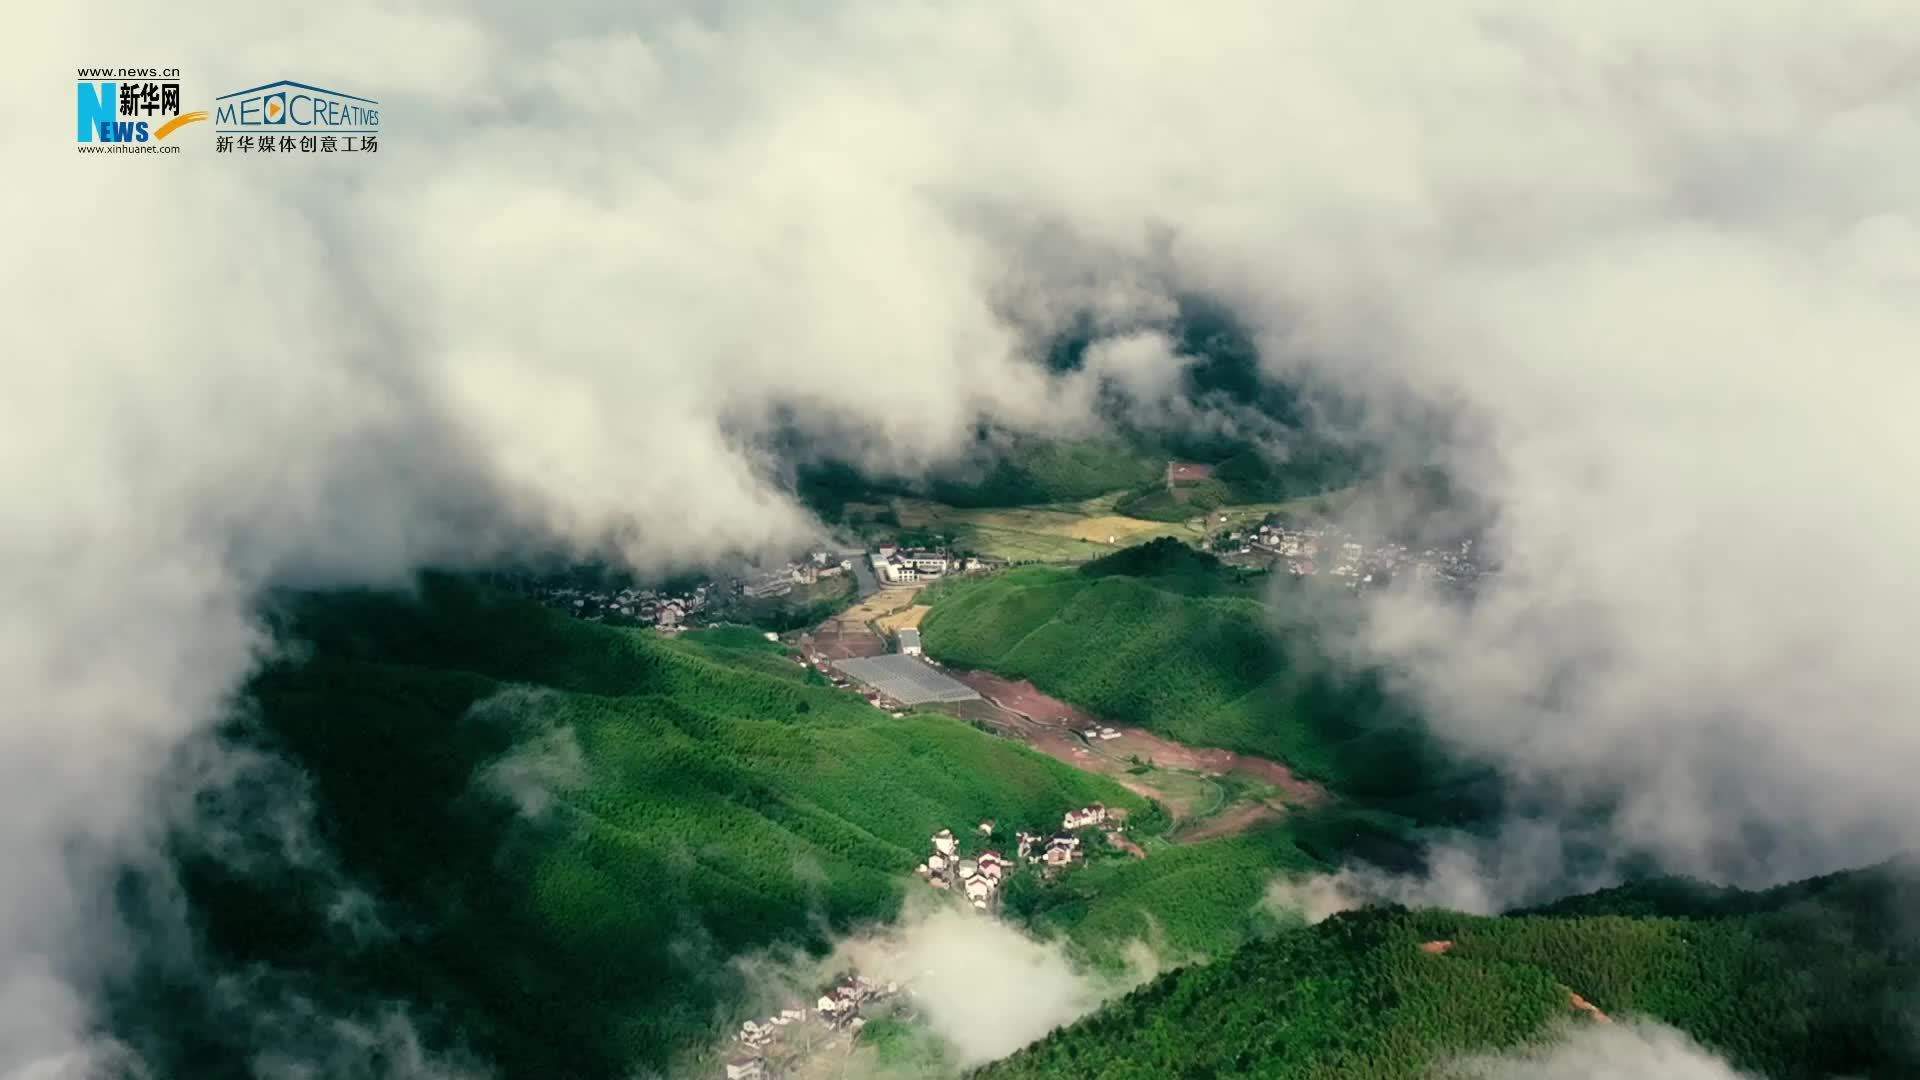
(293, 117)
(129, 110)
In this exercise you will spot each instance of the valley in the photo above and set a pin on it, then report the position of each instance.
(580, 801)
(1208, 792)
(962, 541)
(1390, 994)
(1184, 780)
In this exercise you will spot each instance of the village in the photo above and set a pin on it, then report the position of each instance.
(762, 1048)
(1317, 549)
(673, 608)
(818, 566)
(1304, 550)
(671, 612)
(897, 565)
(979, 878)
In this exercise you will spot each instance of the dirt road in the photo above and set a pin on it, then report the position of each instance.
(1178, 776)
(1228, 822)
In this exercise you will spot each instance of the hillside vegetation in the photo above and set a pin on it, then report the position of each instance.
(1034, 471)
(1249, 476)
(1163, 637)
(1810, 980)
(575, 826)
(1017, 471)
(1186, 902)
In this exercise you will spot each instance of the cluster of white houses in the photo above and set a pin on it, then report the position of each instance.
(1085, 817)
(978, 879)
(675, 611)
(1313, 549)
(1062, 849)
(896, 565)
(899, 566)
(838, 1009)
(669, 612)
(1053, 851)
(817, 566)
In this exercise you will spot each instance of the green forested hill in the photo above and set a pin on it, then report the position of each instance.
(1020, 470)
(1812, 980)
(1146, 637)
(1031, 471)
(1187, 902)
(1272, 440)
(570, 827)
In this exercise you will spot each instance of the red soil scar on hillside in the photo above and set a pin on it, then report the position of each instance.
(1057, 718)
(1237, 820)
(1587, 1007)
(1437, 948)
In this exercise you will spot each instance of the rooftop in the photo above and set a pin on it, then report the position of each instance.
(906, 679)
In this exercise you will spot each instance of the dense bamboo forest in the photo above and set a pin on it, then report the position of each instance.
(1809, 980)
(576, 826)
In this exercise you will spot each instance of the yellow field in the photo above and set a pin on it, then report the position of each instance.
(1071, 532)
(1077, 532)
(880, 605)
(902, 620)
(1240, 515)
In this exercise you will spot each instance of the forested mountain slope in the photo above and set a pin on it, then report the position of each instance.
(1810, 980)
(569, 828)
(1164, 637)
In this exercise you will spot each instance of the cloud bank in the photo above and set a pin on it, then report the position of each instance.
(1664, 258)
(984, 988)
(1628, 1051)
(979, 987)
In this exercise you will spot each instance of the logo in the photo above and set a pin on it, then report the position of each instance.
(129, 110)
(288, 116)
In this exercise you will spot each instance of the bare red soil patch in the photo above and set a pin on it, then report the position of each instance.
(1026, 699)
(1228, 822)
(1588, 1007)
(1049, 724)
(1441, 947)
(837, 641)
(1037, 705)
(1296, 790)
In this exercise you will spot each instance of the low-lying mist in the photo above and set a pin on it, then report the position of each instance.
(1615, 1051)
(981, 987)
(1661, 261)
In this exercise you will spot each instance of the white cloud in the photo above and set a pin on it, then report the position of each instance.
(1618, 1051)
(985, 988)
(546, 758)
(980, 987)
(1663, 256)
(1515, 864)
